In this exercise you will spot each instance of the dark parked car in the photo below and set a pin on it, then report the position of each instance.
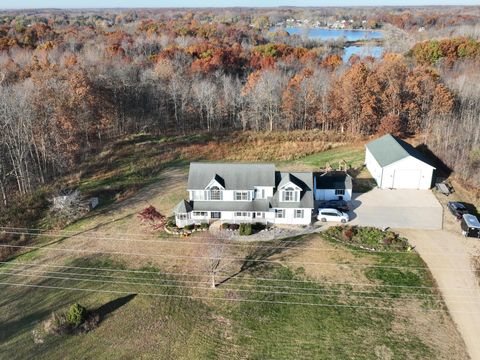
(340, 205)
(457, 209)
(470, 226)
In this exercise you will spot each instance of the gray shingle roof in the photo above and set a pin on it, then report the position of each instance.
(289, 178)
(234, 176)
(334, 180)
(182, 207)
(303, 180)
(389, 149)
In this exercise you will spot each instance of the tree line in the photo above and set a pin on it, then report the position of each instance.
(66, 90)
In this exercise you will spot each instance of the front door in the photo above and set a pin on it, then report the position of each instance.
(215, 214)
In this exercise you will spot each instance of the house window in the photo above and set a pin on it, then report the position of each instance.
(182, 216)
(241, 195)
(280, 213)
(340, 192)
(215, 214)
(298, 213)
(288, 195)
(215, 193)
(198, 195)
(199, 213)
(259, 193)
(242, 214)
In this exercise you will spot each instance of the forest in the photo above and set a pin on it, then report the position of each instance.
(71, 81)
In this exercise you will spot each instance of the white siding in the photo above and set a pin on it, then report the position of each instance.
(329, 194)
(421, 172)
(290, 217)
(373, 167)
(266, 190)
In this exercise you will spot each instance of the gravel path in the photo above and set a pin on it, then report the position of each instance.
(449, 256)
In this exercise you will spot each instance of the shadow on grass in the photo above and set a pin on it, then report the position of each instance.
(255, 259)
(111, 306)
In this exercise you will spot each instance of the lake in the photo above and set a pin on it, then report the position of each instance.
(335, 34)
(346, 34)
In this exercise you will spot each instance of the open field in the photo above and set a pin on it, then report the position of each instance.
(360, 305)
(203, 328)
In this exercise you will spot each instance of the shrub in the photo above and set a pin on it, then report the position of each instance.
(258, 226)
(92, 321)
(189, 227)
(76, 315)
(234, 227)
(347, 233)
(225, 226)
(245, 229)
(171, 222)
(57, 324)
(204, 226)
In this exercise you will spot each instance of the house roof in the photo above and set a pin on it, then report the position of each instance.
(302, 179)
(233, 176)
(389, 149)
(182, 207)
(289, 178)
(334, 180)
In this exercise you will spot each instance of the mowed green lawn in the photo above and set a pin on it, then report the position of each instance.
(178, 327)
(354, 157)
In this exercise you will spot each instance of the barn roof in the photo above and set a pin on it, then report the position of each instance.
(389, 149)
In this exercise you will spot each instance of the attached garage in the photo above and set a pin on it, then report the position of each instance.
(395, 164)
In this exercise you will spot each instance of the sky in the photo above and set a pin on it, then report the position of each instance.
(30, 4)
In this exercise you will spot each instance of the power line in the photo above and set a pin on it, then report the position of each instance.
(228, 299)
(228, 258)
(208, 288)
(220, 274)
(233, 287)
(352, 247)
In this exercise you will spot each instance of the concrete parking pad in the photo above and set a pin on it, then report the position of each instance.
(411, 209)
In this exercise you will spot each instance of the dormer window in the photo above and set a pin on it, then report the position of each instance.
(290, 194)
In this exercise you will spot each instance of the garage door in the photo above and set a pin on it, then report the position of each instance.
(407, 179)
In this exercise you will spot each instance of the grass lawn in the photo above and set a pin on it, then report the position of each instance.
(353, 156)
(164, 328)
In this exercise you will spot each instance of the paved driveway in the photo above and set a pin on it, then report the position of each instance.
(411, 209)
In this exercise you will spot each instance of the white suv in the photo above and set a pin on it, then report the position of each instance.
(332, 215)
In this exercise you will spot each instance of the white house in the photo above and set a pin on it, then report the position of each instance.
(395, 164)
(236, 193)
(333, 185)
